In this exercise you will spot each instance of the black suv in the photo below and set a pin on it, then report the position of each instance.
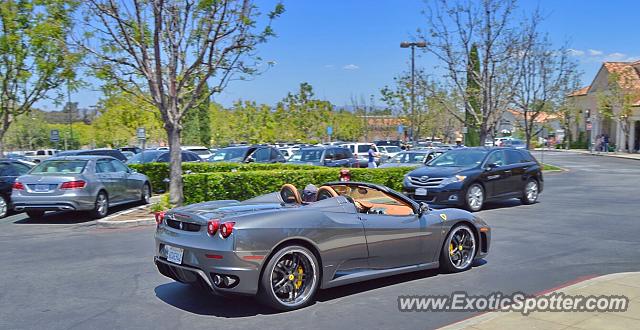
(324, 156)
(469, 177)
(248, 154)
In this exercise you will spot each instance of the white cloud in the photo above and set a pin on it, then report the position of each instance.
(615, 57)
(329, 66)
(575, 52)
(594, 52)
(351, 67)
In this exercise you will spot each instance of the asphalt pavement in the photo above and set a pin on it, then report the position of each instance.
(64, 272)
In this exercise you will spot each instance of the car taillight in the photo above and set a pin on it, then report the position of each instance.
(226, 229)
(159, 217)
(18, 186)
(212, 226)
(73, 184)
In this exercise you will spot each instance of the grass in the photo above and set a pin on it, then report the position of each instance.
(548, 167)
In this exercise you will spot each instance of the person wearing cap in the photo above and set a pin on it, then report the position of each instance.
(372, 156)
(459, 143)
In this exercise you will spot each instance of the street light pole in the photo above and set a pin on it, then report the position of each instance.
(413, 45)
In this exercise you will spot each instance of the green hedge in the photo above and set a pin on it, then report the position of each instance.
(157, 172)
(242, 185)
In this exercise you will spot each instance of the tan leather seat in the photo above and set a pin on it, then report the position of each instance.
(326, 192)
(290, 194)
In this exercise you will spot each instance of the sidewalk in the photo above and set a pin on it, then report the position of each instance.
(625, 155)
(627, 284)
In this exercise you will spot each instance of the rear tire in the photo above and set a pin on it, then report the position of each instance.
(4, 207)
(35, 214)
(145, 195)
(290, 279)
(101, 206)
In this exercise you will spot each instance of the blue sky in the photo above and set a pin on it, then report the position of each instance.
(350, 48)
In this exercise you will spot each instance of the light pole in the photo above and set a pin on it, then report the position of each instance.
(413, 45)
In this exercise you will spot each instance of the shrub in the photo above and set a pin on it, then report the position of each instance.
(158, 172)
(242, 185)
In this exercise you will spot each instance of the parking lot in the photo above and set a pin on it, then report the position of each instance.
(63, 272)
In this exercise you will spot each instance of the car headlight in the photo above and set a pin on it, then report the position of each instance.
(453, 179)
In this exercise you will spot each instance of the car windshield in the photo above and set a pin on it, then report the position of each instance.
(393, 149)
(143, 157)
(60, 167)
(201, 152)
(311, 155)
(228, 154)
(408, 158)
(459, 158)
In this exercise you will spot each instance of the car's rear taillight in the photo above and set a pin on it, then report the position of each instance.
(73, 184)
(18, 186)
(159, 217)
(226, 229)
(212, 226)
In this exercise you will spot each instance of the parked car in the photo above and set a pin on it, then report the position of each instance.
(96, 152)
(79, 183)
(514, 143)
(203, 152)
(40, 155)
(135, 150)
(332, 156)
(128, 154)
(388, 152)
(361, 153)
(162, 156)
(283, 250)
(413, 158)
(287, 152)
(22, 158)
(469, 177)
(248, 154)
(10, 169)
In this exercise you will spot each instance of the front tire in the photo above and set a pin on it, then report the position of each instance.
(145, 194)
(101, 208)
(531, 192)
(4, 207)
(474, 197)
(290, 279)
(458, 250)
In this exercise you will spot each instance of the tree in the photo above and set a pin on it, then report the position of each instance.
(544, 76)
(453, 28)
(35, 58)
(168, 51)
(472, 109)
(617, 101)
(197, 126)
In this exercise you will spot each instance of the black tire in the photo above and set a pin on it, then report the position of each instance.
(4, 207)
(530, 192)
(469, 203)
(100, 212)
(283, 259)
(35, 214)
(448, 252)
(145, 194)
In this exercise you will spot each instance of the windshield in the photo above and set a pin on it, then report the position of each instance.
(392, 149)
(461, 158)
(60, 167)
(312, 155)
(228, 154)
(408, 158)
(143, 157)
(201, 152)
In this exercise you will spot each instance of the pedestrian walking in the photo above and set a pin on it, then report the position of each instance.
(372, 156)
(605, 142)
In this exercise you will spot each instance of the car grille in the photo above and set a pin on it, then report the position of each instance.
(181, 225)
(425, 181)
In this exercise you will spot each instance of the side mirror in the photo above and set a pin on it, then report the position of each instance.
(424, 208)
(132, 170)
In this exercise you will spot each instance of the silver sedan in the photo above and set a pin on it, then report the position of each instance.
(79, 183)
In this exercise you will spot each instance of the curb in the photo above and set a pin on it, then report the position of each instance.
(576, 283)
(108, 223)
(601, 154)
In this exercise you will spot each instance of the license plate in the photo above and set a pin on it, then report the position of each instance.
(42, 187)
(174, 254)
(421, 192)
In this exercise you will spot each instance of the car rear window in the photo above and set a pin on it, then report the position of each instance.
(60, 167)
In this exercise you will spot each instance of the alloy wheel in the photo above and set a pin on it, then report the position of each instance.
(475, 197)
(462, 247)
(146, 194)
(3, 207)
(531, 191)
(102, 204)
(293, 278)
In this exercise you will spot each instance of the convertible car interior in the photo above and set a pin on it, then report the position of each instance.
(366, 199)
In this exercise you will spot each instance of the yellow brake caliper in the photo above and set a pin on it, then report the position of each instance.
(298, 282)
(451, 248)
